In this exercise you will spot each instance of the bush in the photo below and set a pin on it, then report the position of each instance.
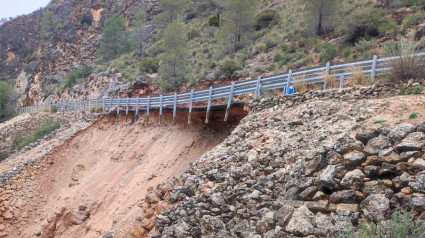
(192, 34)
(96, 109)
(214, 21)
(48, 126)
(402, 225)
(149, 65)
(412, 20)
(268, 17)
(287, 48)
(363, 23)
(405, 66)
(7, 101)
(76, 76)
(228, 68)
(328, 52)
(389, 26)
(86, 19)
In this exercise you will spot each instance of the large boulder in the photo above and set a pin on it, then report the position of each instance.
(353, 180)
(265, 223)
(418, 203)
(376, 144)
(353, 159)
(376, 207)
(421, 127)
(400, 132)
(417, 182)
(211, 225)
(413, 142)
(301, 222)
(282, 216)
(346, 196)
(365, 136)
(327, 181)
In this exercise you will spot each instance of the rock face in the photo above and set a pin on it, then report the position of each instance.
(37, 65)
(268, 181)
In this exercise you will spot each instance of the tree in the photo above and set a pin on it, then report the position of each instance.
(171, 10)
(321, 14)
(140, 30)
(7, 101)
(238, 22)
(114, 41)
(51, 26)
(173, 61)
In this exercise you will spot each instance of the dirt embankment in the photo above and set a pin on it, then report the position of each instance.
(97, 178)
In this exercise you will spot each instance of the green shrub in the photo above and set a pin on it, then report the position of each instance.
(54, 109)
(413, 115)
(287, 48)
(402, 225)
(328, 52)
(363, 23)
(417, 90)
(86, 19)
(76, 76)
(96, 109)
(192, 34)
(214, 21)
(385, 27)
(413, 20)
(228, 68)
(48, 126)
(270, 43)
(267, 18)
(149, 65)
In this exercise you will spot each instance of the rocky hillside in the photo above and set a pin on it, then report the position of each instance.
(36, 65)
(311, 165)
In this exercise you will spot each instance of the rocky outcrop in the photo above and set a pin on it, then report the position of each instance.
(276, 178)
(37, 65)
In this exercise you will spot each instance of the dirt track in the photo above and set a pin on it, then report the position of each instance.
(96, 178)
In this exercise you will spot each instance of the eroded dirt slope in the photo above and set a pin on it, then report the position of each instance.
(92, 181)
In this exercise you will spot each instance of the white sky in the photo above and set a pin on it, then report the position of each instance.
(13, 8)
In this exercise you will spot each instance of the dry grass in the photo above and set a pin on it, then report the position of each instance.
(300, 83)
(331, 81)
(358, 77)
(406, 65)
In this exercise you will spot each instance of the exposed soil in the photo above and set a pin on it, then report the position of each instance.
(83, 187)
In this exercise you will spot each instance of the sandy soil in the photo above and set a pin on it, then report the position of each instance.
(92, 181)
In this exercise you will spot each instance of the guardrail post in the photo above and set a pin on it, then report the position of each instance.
(175, 108)
(79, 106)
(126, 110)
(288, 84)
(258, 89)
(89, 107)
(137, 108)
(341, 81)
(147, 110)
(110, 107)
(209, 104)
(372, 76)
(118, 109)
(160, 108)
(103, 105)
(229, 102)
(189, 120)
(328, 67)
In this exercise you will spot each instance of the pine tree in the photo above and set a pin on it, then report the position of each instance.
(238, 22)
(51, 26)
(171, 10)
(321, 14)
(173, 66)
(7, 101)
(114, 41)
(140, 30)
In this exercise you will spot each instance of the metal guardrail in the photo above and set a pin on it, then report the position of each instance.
(340, 72)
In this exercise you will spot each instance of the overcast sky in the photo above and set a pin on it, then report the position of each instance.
(12, 8)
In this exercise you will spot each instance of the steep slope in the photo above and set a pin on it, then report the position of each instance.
(302, 166)
(94, 180)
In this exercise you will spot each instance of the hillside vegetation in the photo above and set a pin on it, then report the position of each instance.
(224, 39)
